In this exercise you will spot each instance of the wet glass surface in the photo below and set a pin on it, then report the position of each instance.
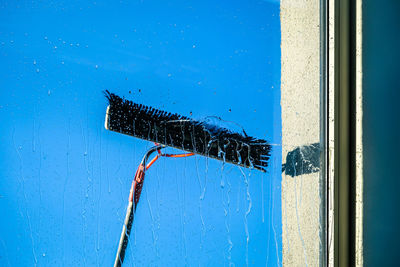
(65, 179)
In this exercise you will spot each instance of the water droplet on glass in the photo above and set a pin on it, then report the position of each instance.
(37, 70)
(97, 66)
(34, 62)
(44, 254)
(48, 92)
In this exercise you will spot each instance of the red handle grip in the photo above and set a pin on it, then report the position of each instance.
(137, 184)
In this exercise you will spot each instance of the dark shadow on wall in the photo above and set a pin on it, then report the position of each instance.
(302, 160)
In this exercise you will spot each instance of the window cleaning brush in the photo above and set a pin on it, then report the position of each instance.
(181, 132)
(167, 129)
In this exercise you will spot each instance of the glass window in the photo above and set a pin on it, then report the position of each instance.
(242, 68)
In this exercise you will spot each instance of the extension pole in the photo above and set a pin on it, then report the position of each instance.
(123, 242)
(136, 189)
(134, 196)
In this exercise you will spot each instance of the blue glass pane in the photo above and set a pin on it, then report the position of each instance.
(65, 179)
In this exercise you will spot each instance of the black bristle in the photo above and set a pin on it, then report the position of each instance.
(181, 132)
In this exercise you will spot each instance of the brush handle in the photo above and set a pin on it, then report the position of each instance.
(123, 241)
(134, 196)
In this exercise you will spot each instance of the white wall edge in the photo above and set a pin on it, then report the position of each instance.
(300, 103)
(359, 138)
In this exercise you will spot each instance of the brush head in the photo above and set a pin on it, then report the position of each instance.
(169, 129)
